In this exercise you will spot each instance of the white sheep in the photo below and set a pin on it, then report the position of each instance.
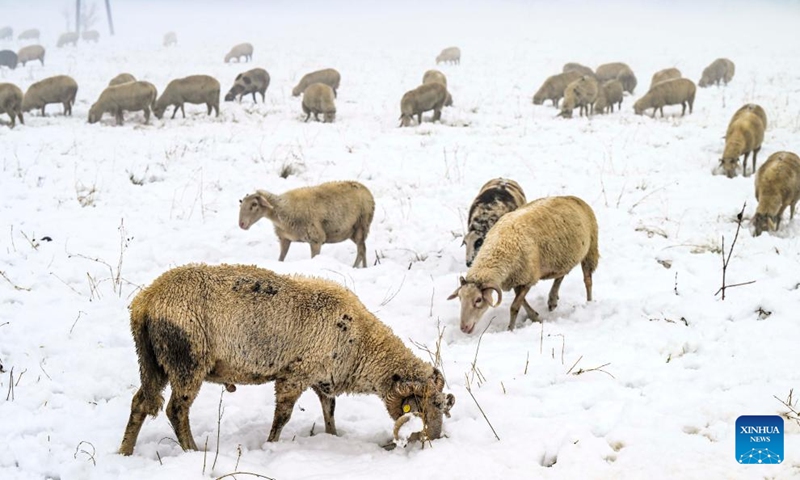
(195, 89)
(449, 55)
(59, 89)
(238, 51)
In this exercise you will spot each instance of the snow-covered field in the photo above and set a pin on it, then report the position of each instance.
(646, 381)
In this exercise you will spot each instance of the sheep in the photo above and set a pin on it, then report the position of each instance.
(59, 89)
(11, 102)
(196, 89)
(131, 96)
(617, 71)
(495, 198)
(745, 134)
(6, 33)
(777, 187)
(231, 324)
(121, 78)
(553, 88)
(671, 92)
(430, 96)
(31, 53)
(331, 212)
(90, 36)
(577, 67)
(666, 74)
(318, 98)
(242, 50)
(609, 93)
(8, 59)
(30, 34)
(252, 81)
(581, 93)
(720, 70)
(328, 76)
(170, 38)
(449, 55)
(435, 76)
(542, 240)
(67, 38)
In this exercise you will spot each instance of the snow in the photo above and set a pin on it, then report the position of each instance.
(646, 381)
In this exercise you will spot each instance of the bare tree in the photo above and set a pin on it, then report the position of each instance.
(89, 16)
(66, 12)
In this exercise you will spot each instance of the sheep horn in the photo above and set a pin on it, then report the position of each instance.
(398, 424)
(499, 294)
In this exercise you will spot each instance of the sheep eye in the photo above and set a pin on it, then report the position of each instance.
(240, 201)
(479, 243)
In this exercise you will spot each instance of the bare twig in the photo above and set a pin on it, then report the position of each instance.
(390, 295)
(469, 390)
(527, 359)
(219, 423)
(574, 364)
(475, 370)
(726, 260)
(80, 312)
(78, 449)
(244, 473)
(238, 456)
(16, 287)
(205, 454)
(595, 369)
(793, 414)
(10, 394)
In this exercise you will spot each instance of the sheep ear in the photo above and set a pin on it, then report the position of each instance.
(451, 400)
(454, 294)
(262, 201)
(462, 281)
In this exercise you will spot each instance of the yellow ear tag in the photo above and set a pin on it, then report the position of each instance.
(406, 408)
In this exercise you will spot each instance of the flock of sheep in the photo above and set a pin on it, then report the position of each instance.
(242, 324)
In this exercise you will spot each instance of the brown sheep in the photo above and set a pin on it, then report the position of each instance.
(67, 39)
(131, 96)
(720, 70)
(328, 213)
(609, 93)
(777, 187)
(577, 67)
(328, 76)
(496, 197)
(252, 81)
(581, 93)
(542, 240)
(11, 102)
(432, 76)
(449, 55)
(318, 98)
(238, 51)
(59, 89)
(121, 78)
(745, 134)
(664, 75)
(679, 91)
(231, 324)
(430, 96)
(31, 53)
(195, 89)
(617, 71)
(553, 88)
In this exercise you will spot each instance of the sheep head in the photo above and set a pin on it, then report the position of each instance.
(235, 91)
(95, 113)
(296, 91)
(475, 300)
(764, 223)
(730, 166)
(473, 241)
(253, 207)
(639, 107)
(424, 398)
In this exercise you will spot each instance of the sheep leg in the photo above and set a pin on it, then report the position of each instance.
(175, 111)
(286, 395)
(419, 118)
(208, 107)
(518, 301)
(755, 152)
(316, 116)
(255, 100)
(146, 115)
(328, 407)
(552, 299)
(308, 115)
(437, 114)
(285, 243)
(780, 216)
(13, 120)
(119, 117)
(587, 278)
(146, 401)
(361, 253)
(183, 112)
(178, 412)
(43, 109)
(21, 120)
(683, 108)
(744, 164)
(315, 248)
(263, 97)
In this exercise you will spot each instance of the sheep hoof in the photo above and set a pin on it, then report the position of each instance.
(230, 387)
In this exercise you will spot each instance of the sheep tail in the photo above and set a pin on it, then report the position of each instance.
(589, 262)
(152, 375)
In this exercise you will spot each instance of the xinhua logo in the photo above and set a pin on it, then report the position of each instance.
(759, 439)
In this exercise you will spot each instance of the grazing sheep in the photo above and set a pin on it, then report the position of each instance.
(671, 92)
(581, 93)
(242, 50)
(664, 75)
(131, 96)
(541, 240)
(777, 187)
(435, 76)
(720, 70)
(496, 198)
(609, 93)
(11, 102)
(318, 98)
(231, 324)
(170, 38)
(59, 89)
(328, 76)
(617, 71)
(90, 36)
(328, 213)
(430, 96)
(121, 78)
(196, 89)
(30, 34)
(449, 55)
(553, 88)
(6, 33)
(577, 67)
(8, 59)
(252, 81)
(67, 38)
(31, 53)
(745, 134)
